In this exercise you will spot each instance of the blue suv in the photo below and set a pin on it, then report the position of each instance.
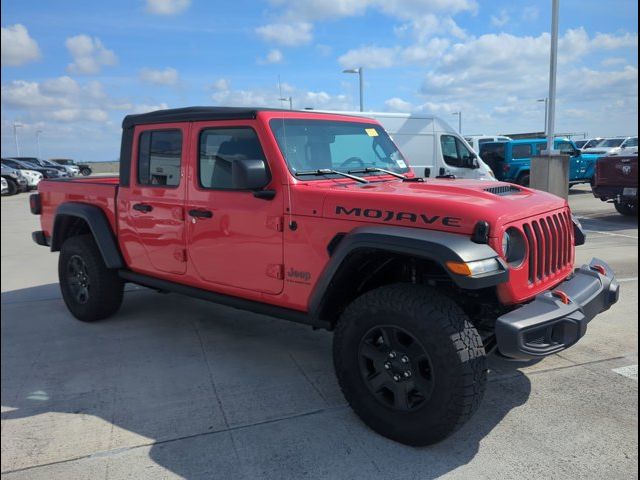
(511, 161)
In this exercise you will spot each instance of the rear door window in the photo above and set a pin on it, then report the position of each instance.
(159, 158)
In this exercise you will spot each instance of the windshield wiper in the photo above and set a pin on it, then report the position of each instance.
(378, 169)
(328, 171)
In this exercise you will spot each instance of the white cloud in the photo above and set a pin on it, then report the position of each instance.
(274, 56)
(168, 76)
(221, 84)
(167, 7)
(89, 55)
(613, 61)
(18, 48)
(289, 34)
(262, 97)
(501, 19)
(396, 104)
(298, 16)
(370, 57)
(386, 57)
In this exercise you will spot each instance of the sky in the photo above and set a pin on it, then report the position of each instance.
(71, 70)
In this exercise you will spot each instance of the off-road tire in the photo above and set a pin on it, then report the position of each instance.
(524, 180)
(452, 343)
(626, 208)
(104, 287)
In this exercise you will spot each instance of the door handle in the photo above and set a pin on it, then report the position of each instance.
(201, 213)
(142, 207)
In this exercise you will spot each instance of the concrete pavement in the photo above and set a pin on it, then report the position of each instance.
(174, 387)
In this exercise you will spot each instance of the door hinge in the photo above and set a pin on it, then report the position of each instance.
(275, 223)
(275, 270)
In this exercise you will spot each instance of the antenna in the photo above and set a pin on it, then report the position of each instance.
(292, 224)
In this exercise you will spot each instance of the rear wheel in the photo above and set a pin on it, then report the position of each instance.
(409, 363)
(90, 290)
(627, 208)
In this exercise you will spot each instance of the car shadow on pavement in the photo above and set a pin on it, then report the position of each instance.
(609, 222)
(210, 391)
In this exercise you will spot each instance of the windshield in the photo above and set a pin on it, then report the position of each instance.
(324, 144)
(632, 142)
(611, 142)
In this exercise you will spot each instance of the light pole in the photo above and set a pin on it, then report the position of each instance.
(553, 67)
(459, 114)
(546, 108)
(16, 126)
(359, 71)
(38, 133)
(284, 99)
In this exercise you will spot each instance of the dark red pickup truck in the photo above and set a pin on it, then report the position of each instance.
(317, 218)
(616, 180)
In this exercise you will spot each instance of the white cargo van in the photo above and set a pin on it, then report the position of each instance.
(430, 145)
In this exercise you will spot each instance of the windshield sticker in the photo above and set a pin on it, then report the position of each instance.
(372, 132)
(401, 163)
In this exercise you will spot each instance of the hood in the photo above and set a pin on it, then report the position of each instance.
(446, 205)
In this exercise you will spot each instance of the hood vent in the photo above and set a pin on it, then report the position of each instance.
(503, 190)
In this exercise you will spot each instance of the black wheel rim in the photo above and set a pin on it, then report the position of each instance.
(396, 368)
(78, 279)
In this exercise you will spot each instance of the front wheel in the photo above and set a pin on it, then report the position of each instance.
(90, 290)
(12, 187)
(410, 363)
(626, 208)
(85, 171)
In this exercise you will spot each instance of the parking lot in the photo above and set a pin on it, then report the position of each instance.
(176, 387)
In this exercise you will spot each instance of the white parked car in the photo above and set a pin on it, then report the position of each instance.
(476, 140)
(611, 145)
(628, 147)
(588, 143)
(5, 187)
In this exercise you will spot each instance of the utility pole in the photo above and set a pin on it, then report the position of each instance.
(360, 73)
(15, 135)
(553, 68)
(459, 114)
(38, 133)
(290, 99)
(546, 109)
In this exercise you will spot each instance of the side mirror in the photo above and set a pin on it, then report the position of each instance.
(249, 174)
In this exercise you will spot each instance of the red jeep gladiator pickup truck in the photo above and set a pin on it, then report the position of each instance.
(317, 218)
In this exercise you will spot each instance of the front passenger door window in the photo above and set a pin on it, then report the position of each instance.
(455, 153)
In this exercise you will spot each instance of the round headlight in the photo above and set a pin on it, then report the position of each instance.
(506, 240)
(514, 247)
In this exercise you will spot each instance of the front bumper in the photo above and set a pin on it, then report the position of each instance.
(557, 319)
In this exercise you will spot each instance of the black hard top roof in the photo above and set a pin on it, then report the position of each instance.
(190, 114)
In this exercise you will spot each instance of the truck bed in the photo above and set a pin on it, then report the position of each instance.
(99, 191)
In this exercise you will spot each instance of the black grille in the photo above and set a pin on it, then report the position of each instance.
(503, 190)
(550, 249)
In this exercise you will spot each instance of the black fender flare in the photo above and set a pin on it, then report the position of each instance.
(98, 224)
(440, 247)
